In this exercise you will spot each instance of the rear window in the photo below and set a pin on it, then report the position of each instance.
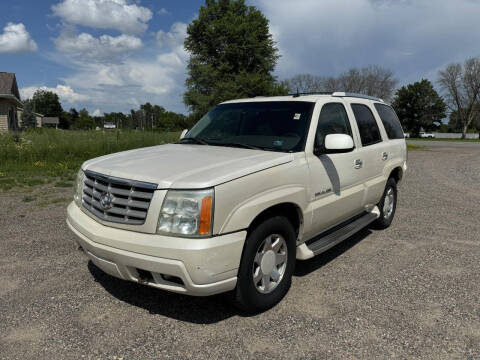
(367, 125)
(390, 121)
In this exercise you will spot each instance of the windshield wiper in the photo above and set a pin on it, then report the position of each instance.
(240, 145)
(194, 139)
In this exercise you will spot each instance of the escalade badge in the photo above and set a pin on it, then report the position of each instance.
(106, 200)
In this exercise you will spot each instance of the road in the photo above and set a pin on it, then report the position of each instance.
(411, 291)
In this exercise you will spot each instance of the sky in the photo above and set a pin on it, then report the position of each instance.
(113, 55)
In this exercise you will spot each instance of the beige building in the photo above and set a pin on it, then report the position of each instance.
(10, 105)
(47, 121)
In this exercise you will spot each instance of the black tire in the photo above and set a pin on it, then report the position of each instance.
(246, 297)
(386, 219)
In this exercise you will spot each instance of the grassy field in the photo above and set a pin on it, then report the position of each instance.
(437, 139)
(415, 147)
(53, 156)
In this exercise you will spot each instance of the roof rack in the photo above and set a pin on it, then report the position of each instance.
(338, 94)
(355, 95)
(297, 94)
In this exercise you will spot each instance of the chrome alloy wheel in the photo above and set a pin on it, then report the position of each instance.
(270, 263)
(388, 203)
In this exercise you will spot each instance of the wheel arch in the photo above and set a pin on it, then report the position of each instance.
(289, 201)
(290, 210)
(397, 174)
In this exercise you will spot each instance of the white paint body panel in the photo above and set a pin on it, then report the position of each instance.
(185, 166)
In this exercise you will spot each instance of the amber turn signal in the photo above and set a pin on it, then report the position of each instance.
(205, 216)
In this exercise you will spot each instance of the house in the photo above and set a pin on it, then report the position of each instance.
(48, 122)
(38, 119)
(10, 105)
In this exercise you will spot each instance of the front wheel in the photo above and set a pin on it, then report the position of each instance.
(387, 205)
(267, 265)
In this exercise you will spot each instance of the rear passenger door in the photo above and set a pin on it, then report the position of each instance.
(372, 153)
(397, 147)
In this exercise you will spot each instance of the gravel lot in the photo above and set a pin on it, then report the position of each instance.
(412, 291)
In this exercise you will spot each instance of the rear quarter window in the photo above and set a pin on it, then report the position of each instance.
(390, 121)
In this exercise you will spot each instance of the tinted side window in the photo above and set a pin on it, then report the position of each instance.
(390, 121)
(333, 120)
(367, 125)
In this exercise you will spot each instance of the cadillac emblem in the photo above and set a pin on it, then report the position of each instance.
(106, 200)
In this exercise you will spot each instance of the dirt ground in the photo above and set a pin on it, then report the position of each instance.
(411, 291)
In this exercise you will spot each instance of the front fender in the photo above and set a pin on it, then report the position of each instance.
(242, 215)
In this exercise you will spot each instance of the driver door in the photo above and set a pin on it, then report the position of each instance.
(336, 180)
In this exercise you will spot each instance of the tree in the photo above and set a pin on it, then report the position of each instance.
(28, 117)
(304, 83)
(65, 120)
(147, 109)
(418, 106)
(372, 80)
(84, 121)
(46, 103)
(461, 85)
(232, 55)
(455, 122)
(73, 114)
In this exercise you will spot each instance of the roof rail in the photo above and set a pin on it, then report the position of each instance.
(361, 96)
(338, 94)
(297, 94)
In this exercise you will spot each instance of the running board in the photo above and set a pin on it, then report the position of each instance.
(328, 239)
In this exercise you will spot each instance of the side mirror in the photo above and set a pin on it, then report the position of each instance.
(184, 132)
(336, 143)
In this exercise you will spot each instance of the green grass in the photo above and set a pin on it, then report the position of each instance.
(53, 156)
(437, 139)
(412, 147)
(63, 184)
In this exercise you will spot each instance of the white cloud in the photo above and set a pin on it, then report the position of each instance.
(97, 112)
(104, 14)
(97, 49)
(16, 39)
(64, 92)
(410, 37)
(163, 11)
(174, 38)
(122, 85)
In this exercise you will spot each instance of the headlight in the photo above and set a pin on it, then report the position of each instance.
(78, 190)
(187, 213)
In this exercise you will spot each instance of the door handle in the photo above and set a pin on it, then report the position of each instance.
(357, 164)
(384, 156)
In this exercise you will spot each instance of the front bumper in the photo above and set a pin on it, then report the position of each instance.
(205, 266)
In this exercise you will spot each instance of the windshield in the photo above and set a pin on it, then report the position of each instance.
(274, 125)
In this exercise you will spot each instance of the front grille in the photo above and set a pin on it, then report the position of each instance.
(124, 201)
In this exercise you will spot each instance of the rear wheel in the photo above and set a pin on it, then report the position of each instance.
(387, 205)
(267, 265)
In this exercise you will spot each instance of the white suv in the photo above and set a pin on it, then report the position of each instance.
(254, 186)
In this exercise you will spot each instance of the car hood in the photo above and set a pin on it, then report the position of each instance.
(185, 166)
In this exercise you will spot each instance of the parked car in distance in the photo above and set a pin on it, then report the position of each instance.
(425, 135)
(254, 186)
